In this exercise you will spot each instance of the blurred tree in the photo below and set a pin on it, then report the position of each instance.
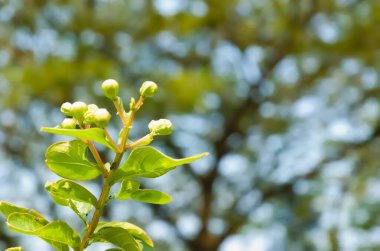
(283, 93)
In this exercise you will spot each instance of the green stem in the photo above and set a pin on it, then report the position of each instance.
(128, 125)
(102, 201)
(110, 139)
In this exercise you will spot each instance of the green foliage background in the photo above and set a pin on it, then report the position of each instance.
(284, 94)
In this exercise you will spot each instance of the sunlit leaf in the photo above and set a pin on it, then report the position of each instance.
(148, 162)
(69, 160)
(128, 186)
(151, 196)
(119, 237)
(57, 231)
(94, 134)
(70, 190)
(7, 208)
(14, 249)
(132, 229)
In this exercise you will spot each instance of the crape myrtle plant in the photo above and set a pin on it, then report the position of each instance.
(68, 159)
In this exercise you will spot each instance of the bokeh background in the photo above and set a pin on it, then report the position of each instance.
(284, 94)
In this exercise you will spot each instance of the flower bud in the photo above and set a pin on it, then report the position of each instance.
(68, 124)
(101, 117)
(92, 107)
(110, 88)
(148, 89)
(66, 109)
(161, 127)
(89, 116)
(78, 110)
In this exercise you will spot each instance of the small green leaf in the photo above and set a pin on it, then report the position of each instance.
(94, 134)
(7, 208)
(151, 196)
(70, 190)
(132, 229)
(54, 232)
(148, 162)
(23, 223)
(114, 249)
(119, 237)
(14, 249)
(128, 186)
(69, 160)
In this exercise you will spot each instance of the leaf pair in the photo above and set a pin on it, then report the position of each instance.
(68, 159)
(57, 233)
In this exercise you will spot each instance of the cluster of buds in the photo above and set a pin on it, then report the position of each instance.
(88, 115)
(82, 113)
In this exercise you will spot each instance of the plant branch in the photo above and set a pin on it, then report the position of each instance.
(97, 157)
(109, 138)
(128, 125)
(120, 111)
(102, 201)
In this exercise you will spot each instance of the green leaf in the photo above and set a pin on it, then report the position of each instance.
(115, 249)
(151, 196)
(14, 249)
(73, 195)
(128, 186)
(7, 208)
(94, 134)
(57, 231)
(23, 223)
(81, 209)
(148, 162)
(119, 237)
(70, 190)
(69, 160)
(132, 229)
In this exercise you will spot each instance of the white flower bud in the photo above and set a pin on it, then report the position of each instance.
(68, 124)
(110, 88)
(78, 109)
(148, 89)
(161, 127)
(66, 109)
(101, 117)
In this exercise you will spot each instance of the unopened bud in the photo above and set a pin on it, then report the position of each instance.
(66, 109)
(68, 124)
(78, 109)
(92, 107)
(110, 88)
(89, 116)
(161, 127)
(101, 117)
(148, 89)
